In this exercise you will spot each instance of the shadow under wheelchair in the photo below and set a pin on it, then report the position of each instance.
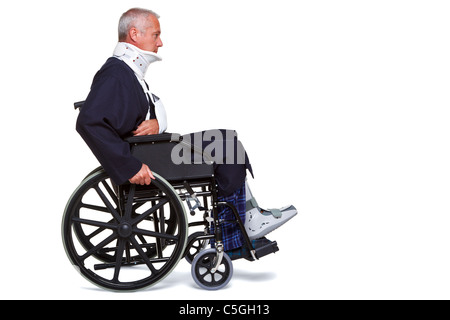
(240, 275)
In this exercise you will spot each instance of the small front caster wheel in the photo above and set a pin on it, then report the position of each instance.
(202, 270)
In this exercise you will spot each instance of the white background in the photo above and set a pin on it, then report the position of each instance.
(343, 107)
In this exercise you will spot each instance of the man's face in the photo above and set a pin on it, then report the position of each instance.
(150, 40)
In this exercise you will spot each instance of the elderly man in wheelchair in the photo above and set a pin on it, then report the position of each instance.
(131, 211)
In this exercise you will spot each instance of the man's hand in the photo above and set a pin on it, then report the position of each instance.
(147, 127)
(144, 176)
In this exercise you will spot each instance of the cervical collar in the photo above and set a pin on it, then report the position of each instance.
(138, 60)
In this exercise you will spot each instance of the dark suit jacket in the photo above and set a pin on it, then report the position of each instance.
(115, 106)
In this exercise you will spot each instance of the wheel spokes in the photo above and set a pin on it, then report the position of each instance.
(143, 255)
(102, 244)
(105, 200)
(148, 212)
(119, 254)
(103, 225)
(108, 229)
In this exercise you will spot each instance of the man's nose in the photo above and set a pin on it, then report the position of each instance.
(159, 43)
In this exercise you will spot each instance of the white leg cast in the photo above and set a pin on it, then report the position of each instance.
(259, 222)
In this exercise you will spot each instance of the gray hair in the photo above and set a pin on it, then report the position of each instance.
(134, 18)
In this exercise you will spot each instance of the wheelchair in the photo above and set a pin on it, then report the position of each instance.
(129, 237)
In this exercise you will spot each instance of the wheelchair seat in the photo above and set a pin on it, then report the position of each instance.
(157, 152)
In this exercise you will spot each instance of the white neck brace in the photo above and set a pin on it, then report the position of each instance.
(138, 60)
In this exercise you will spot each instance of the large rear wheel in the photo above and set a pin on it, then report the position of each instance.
(107, 229)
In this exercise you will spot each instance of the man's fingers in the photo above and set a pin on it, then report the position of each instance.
(143, 177)
(150, 174)
(138, 131)
(147, 127)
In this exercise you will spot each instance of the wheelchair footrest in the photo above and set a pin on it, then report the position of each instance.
(271, 247)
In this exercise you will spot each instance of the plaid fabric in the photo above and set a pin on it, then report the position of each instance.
(231, 233)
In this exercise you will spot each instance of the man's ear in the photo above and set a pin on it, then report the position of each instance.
(133, 34)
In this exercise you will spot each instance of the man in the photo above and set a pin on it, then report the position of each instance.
(117, 103)
(120, 103)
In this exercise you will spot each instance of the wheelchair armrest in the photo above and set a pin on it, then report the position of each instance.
(163, 137)
(78, 104)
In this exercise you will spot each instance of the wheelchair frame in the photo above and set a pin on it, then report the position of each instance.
(114, 227)
(110, 227)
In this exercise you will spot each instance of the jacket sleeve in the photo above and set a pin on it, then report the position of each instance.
(107, 116)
